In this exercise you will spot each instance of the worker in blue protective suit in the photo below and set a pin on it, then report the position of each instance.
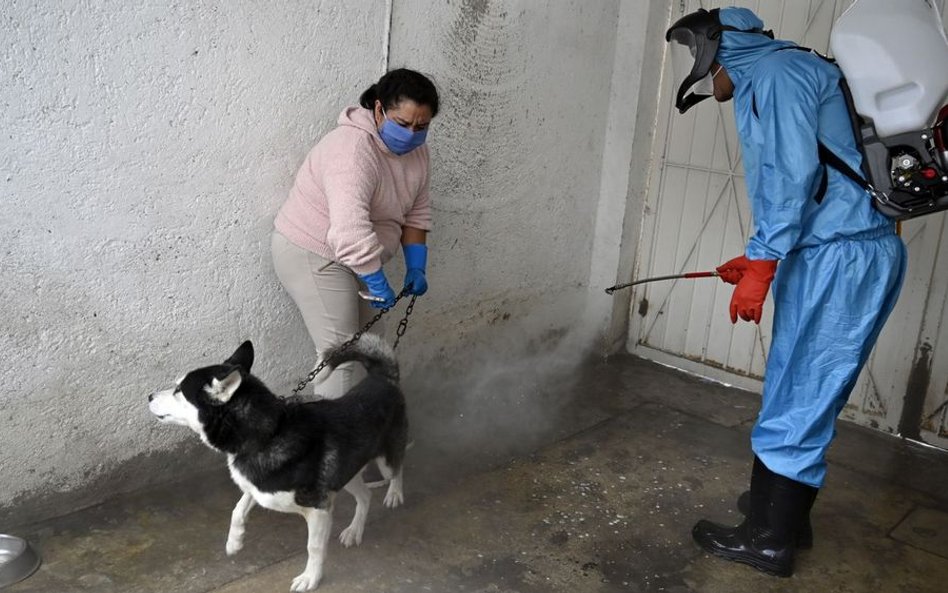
(834, 264)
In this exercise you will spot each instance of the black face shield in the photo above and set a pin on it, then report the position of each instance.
(694, 42)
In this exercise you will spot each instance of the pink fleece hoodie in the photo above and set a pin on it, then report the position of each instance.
(352, 196)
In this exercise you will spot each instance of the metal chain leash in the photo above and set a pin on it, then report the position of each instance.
(403, 323)
(402, 327)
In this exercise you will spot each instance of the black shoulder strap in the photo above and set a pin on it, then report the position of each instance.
(830, 158)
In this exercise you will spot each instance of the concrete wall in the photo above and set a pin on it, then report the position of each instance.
(627, 160)
(146, 149)
(517, 154)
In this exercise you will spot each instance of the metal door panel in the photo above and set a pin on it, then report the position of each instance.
(696, 217)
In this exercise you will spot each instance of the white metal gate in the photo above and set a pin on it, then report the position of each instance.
(696, 217)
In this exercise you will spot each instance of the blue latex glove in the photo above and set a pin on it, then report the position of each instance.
(379, 288)
(416, 257)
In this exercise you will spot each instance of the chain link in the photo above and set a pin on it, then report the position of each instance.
(403, 323)
(402, 327)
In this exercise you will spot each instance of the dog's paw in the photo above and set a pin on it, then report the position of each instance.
(305, 582)
(234, 545)
(351, 536)
(393, 497)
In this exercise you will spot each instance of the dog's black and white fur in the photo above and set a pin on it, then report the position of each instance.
(294, 457)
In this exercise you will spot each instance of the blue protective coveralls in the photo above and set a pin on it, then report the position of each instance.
(841, 265)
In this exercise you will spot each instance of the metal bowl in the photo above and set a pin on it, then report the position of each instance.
(18, 560)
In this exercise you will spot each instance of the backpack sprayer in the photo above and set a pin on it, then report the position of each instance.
(894, 56)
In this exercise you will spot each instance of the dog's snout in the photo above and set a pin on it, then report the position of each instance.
(151, 396)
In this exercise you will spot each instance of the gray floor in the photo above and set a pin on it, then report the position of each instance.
(590, 482)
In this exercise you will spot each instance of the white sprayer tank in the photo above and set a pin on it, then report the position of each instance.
(894, 54)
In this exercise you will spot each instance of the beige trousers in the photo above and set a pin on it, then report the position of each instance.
(327, 295)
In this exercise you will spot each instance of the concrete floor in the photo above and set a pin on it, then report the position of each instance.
(591, 483)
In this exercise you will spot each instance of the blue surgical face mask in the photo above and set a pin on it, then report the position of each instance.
(400, 139)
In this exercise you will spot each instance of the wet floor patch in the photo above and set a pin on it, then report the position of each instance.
(926, 529)
(607, 508)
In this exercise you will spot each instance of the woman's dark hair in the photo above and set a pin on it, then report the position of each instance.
(401, 84)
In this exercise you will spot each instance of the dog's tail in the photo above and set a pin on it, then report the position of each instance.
(373, 352)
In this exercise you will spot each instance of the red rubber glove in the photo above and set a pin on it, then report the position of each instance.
(747, 302)
(732, 271)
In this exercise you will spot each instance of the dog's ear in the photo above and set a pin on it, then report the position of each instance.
(242, 356)
(221, 390)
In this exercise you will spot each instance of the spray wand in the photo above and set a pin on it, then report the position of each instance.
(612, 289)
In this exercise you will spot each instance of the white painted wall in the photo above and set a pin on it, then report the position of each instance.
(517, 156)
(145, 150)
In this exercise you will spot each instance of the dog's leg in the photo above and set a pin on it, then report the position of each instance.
(384, 468)
(385, 477)
(235, 537)
(353, 533)
(318, 522)
(394, 496)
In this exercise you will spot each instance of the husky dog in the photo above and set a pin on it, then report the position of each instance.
(295, 457)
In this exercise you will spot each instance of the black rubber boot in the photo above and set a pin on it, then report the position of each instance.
(804, 529)
(766, 539)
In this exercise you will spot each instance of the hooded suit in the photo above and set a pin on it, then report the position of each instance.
(841, 264)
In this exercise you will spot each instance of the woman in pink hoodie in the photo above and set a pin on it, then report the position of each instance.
(362, 191)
